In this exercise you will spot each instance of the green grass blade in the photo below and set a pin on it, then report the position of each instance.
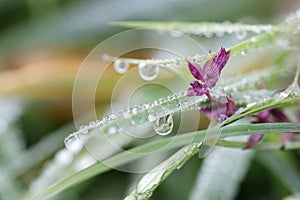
(125, 157)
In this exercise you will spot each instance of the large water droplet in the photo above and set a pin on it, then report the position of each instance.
(121, 66)
(148, 71)
(73, 143)
(164, 125)
(241, 34)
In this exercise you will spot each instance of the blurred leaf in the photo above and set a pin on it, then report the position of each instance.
(230, 165)
(150, 181)
(284, 166)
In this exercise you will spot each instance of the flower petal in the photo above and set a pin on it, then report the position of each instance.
(230, 106)
(286, 137)
(195, 70)
(253, 139)
(221, 58)
(263, 116)
(197, 89)
(279, 115)
(210, 74)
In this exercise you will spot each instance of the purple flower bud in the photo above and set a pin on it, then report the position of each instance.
(253, 139)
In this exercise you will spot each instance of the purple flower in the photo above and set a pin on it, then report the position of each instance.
(253, 139)
(230, 106)
(261, 117)
(223, 110)
(270, 115)
(208, 75)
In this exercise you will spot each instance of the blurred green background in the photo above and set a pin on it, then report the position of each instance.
(43, 43)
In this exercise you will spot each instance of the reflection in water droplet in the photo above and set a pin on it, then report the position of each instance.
(241, 34)
(121, 66)
(164, 125)
(148, 71)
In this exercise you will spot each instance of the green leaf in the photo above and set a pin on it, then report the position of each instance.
(150, 181)
(174, 142)
(197, 28)
(221, 164)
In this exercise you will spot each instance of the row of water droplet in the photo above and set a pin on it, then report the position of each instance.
(219, 30)
(293, 17)
(158, 113)
(149, 69)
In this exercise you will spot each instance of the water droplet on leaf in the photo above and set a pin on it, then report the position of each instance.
(164, 125)
(241, 34)
(73, 143)
(148, 71)
(121, 66)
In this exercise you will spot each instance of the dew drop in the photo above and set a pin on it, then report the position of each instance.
(92, 124)
(134, 110)
(243, 53)
(148, 71)
(151, 118)
(106, 117)
(164, 125)
(83, 129)
(175, 33)
(73, 143)
(282, 95)
(241, 34)
(208, 34)
(220, 33)
(112, 130)
(121, 66)
(126, 114)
